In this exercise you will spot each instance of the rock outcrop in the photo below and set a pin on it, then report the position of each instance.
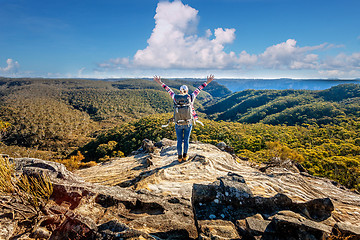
(214, 195)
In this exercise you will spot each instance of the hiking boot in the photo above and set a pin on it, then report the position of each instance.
(180, 158)
(185, 157)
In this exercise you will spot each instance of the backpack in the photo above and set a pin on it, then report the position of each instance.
(182, 109)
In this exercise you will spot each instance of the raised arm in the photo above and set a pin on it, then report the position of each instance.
(158, 80)
(210, 78)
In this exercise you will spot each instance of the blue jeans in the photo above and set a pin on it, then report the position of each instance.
(183, 135)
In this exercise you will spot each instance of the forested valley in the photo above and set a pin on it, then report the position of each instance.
(81, 122)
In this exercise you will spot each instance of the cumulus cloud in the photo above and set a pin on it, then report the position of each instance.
(246, 59)
(342, 65)
(287, 55)
(11, 68)
(343, 61)
(174, 44)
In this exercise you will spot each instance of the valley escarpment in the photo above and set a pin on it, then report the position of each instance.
(214, 195)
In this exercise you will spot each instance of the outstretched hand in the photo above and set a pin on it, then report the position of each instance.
(210, 78)
(157, 79)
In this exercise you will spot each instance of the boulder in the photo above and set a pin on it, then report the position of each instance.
(229, 198)
(33, 166)
(223, 199)
(233, 186)
(148, 146)
(317, 209)
(256, 226)
(217, 229)
(299, 228)
(221, 145)
(271, 205)
(224, 147)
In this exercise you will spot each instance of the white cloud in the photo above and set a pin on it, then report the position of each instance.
(175, 45)
(246, 59)
(116, 63)
(287, 55)
(224, 36)
(11, 68)
(338, 73)
(343, 61)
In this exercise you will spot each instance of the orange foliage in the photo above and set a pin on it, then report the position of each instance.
(75, 162)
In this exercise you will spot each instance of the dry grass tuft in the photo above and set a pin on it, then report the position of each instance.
(7, 171)
(33, 190)
(38, 190)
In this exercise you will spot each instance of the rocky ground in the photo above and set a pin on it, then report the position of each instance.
(214, 195)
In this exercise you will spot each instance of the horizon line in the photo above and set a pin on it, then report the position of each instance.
(221, 78)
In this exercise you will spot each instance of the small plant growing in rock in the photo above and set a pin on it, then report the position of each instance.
(6, 175)
(33, 191)
(38, 190)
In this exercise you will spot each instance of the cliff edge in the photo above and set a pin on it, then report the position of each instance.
(214, 195)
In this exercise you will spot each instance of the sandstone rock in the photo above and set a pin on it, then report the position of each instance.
(277, 164)
(159, 214)
(167, 177)
(224, 199)
(299, 228)
(234, 185)
(149, 162)
(271, 205)
(317, 209)
(217, 229)
(75, 227)
(221, 145)
(224, 147)
(347, 230)
(160, 198)
(289, 214)
(116, 230)
(241, 227)
(148, 146)
(33, 166)
(257, 227)
(229, 198)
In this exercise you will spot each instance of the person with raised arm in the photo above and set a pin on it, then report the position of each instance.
(184, 114)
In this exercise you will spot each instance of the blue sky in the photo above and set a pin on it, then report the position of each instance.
(188, 38)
